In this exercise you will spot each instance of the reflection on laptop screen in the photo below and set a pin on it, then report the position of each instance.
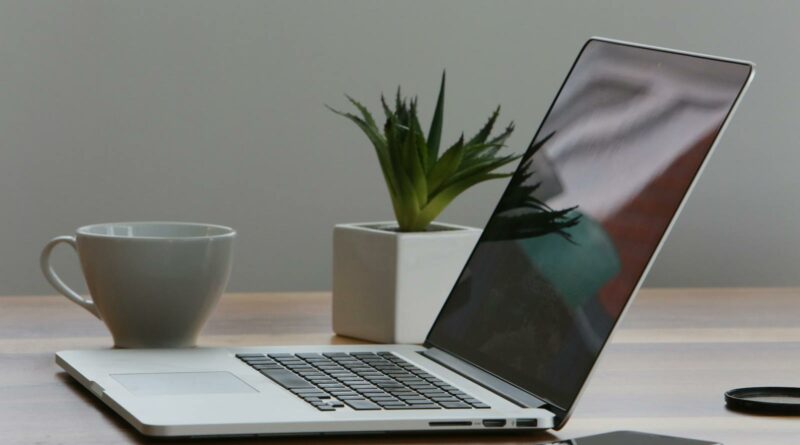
(584, 213)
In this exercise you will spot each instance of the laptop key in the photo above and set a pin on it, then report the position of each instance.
(374, 393)
(249, 355)
(455, 405)
(431, 406)
(307, 391)
(305, 355)
(435, 394)
(384, 399)
(361, 405)
(261, 359)
(352, 381)
(344, 393)
(314, 395)
(260, 367)
(402, 392)
(287, 379)
(411, 380)
(391, 404)
(415, 400)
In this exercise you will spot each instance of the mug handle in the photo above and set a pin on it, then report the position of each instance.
(55, 280)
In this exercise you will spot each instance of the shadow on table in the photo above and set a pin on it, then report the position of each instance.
(404, 438)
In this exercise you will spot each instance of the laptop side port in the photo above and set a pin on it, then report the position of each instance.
(451, 423)
(527, 423)
(494, 423)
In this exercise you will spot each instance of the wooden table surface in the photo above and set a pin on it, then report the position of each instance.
(676, 353)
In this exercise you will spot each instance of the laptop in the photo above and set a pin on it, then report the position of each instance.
(515, 343)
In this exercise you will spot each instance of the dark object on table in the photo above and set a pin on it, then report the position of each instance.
(631, 438)
(765, 400)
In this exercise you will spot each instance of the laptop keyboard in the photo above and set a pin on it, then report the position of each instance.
(361, 380)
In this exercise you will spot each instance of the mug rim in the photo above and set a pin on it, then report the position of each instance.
(87, 230)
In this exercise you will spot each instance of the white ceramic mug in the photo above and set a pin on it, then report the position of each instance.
(154, 284)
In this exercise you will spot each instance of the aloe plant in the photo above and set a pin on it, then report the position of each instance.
(421, 183)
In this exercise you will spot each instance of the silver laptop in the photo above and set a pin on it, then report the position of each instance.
(513, 347)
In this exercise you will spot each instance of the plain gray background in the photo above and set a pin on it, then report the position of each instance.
(213, 112)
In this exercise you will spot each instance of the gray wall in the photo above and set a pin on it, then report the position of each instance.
(213, 111)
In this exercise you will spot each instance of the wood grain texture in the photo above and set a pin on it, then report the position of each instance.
(665, 372)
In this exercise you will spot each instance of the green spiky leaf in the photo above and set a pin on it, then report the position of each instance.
(435, 132)
(484, 132)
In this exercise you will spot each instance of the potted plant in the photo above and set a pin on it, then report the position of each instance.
(390, 279)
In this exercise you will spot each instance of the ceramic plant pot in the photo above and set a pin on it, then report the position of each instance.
(389, 286)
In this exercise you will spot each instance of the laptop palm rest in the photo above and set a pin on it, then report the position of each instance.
(175, 383)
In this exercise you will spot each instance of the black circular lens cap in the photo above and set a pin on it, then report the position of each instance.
(765, 400)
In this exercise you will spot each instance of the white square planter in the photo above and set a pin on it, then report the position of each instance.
(389, 286)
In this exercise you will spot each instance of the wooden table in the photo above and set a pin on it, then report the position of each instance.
(676, 353)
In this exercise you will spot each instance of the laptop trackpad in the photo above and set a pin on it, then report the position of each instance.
(172, 383)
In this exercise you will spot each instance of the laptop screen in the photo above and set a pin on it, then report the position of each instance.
(584, 213)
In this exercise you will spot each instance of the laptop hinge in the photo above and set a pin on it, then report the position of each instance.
(483, 378)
